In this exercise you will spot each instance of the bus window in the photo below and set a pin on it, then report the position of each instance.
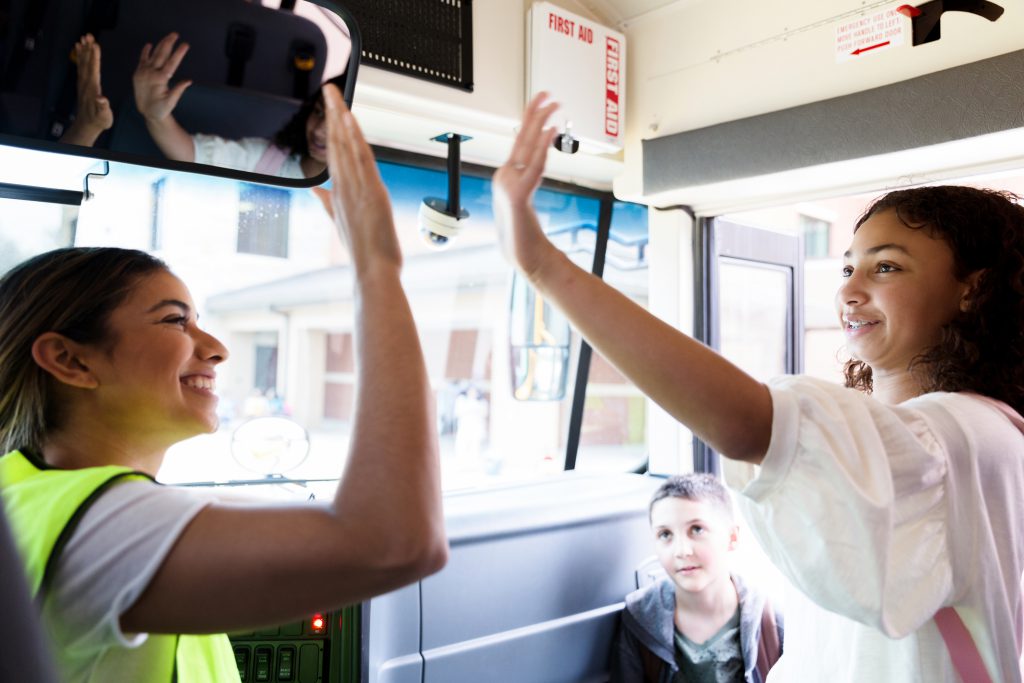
(613, 433)
(753, 287)
(271, 279)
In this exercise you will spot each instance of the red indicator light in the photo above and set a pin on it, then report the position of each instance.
(318, 623)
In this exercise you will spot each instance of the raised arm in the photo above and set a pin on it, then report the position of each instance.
(156, 100)
(723, 405)
(93, 114)
(237, 567)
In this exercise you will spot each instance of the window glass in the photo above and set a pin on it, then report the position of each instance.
(43, 169)
(28, 228)
(271, 279)
(754, 327)
(263, 220)
(613, 435)
(816, 233)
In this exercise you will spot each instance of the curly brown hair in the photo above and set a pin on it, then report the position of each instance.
(982, 348)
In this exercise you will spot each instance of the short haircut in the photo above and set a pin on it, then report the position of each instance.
(702, 488)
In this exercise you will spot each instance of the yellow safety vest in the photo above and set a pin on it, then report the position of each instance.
(43, 507)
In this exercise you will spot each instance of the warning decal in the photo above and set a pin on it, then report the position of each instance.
(870, 34)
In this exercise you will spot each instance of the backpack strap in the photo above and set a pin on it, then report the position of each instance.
(652, 665)
(272, 160)
(962, 648)
(769, 649)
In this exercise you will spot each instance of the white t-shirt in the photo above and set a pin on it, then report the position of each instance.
(116, 549)
(241, 155)
(880, 515)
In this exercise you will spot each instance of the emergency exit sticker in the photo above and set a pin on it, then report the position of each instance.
(870, 34)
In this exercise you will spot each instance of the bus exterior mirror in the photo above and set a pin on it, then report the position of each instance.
(248, 81)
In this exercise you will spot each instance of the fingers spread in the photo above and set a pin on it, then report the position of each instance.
(531, 136)
(163, 49)
(539, 154)
(172, 64)
(176, 92)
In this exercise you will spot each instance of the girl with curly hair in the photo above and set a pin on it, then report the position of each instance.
(895, 511)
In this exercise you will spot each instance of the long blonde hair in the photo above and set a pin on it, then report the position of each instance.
(69, 291)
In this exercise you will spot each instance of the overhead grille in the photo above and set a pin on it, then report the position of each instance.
(428, 39)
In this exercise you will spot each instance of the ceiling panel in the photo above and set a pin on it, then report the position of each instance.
(621, 12)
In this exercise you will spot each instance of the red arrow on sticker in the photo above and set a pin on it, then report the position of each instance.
(870, 47)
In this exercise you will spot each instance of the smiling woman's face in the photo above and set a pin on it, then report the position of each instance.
(898, 291)
(158, 378)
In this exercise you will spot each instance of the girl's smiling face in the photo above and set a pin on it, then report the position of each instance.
(898, 291)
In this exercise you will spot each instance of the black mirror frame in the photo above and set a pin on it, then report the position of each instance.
(351, 74)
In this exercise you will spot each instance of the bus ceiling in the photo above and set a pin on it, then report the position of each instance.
(723, 109)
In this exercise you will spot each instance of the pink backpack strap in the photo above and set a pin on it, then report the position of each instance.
(271, 161)
(1012, 415)
(962, 648)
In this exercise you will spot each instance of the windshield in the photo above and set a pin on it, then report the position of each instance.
(271, 280)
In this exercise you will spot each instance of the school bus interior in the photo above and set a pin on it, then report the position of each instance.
(746, 129)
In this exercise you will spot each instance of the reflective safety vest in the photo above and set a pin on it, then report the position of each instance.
(44, 506)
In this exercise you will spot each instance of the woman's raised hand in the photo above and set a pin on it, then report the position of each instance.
(154, 97)
(360, 204)
(93, 108)
(514, 185)
(93, 114)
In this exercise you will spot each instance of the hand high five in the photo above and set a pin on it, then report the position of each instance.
(153, 95)
(93, 108)
(515, 183)
(360, 205)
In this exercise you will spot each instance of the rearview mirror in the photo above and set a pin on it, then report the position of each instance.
(226, 87)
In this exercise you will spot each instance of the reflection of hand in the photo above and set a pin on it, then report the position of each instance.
(153, 96)
(515, 183)
(94, 114)
(359, 202)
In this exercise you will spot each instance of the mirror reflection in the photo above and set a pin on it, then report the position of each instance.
(225, 83)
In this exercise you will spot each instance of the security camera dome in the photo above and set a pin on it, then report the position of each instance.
(439, 218)
(437, 225)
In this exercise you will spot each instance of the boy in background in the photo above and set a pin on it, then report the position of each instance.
(700, 624)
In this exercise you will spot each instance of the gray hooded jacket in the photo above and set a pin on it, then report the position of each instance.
(648, 622)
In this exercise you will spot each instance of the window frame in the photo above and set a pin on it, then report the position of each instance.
(715, 239)
(605, 209)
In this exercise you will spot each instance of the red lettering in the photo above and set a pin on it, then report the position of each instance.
(611, 87)
(586, 34)
(560, 24)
